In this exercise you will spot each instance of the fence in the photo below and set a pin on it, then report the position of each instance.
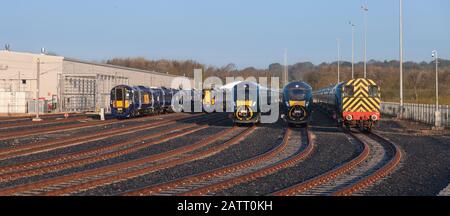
(424, 113)
(78, 93)
(13, 102)
(42, 106)
(87, 93)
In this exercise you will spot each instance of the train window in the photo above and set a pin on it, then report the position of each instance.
(297, 94)
(349, 91)
(136, 97)
(146, 98)
(373, 91)
(113, 95)
(119, 94)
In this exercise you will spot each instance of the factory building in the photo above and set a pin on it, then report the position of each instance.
(65, 84)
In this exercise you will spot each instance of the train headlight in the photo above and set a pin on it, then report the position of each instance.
(349, 117)
(287, 104)
(374, 118)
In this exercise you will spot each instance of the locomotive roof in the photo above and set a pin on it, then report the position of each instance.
(301, 85)
(230, 86)
(349, 82)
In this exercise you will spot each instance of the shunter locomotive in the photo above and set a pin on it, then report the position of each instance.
(355, 103)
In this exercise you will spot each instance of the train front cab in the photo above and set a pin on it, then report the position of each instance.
(208, 101)
(121, 101)
(246, 105)
(361, 100)
(297, 104)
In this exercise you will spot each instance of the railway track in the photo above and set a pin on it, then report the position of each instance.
(56, 129)
(4, 120)
(154, 163)
(294, 149)
(64, 128)
(32, 124)
(93, 176)
(378, 158)
(90, 156)
(45, 146)
(284, 155)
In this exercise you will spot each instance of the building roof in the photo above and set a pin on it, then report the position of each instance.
(83, 62)
(117, 67)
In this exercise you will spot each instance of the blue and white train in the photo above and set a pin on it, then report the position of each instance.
(134, 101)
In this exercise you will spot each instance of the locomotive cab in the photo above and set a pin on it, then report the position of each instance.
(208, 100)
(361, 103)
(297, 103)
(121, 99)
(246, 103)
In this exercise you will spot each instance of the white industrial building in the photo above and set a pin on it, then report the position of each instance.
(65, 85)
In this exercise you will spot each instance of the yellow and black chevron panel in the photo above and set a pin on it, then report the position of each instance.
(363, 98)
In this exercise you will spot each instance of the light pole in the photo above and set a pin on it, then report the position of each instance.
(365, 9)
(353, 49)
(286, 69)
(401, 60)
(339, 60)
(36, 105)
(438, 112)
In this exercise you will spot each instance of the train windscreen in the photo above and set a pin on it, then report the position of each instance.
(297, 94)
(349, 91)
(119, 94)
(246, 89)
(373, 91)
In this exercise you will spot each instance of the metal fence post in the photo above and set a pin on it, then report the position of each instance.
(447, 120)
(421, 112)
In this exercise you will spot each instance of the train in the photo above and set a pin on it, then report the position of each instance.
(246, 101)
(134, 101)
(236, 98)
(297, 103)
(210, 100)
(353, 104)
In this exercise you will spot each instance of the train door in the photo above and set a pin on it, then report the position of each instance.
(137, 98)
(119, 98)
(157, 101)
(163, 98)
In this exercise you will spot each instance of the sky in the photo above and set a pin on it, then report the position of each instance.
(244, 32)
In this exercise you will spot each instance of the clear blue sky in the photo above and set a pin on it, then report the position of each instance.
(244, 32)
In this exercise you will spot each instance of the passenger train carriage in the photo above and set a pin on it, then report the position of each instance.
(133, 101)
(297, 103)
(355, 103)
